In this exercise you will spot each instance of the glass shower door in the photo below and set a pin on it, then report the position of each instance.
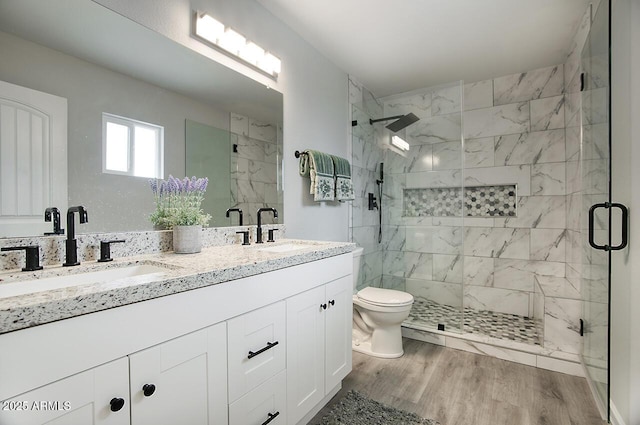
(597, 209)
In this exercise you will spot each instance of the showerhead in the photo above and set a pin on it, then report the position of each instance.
(403, 122)
(399, 124)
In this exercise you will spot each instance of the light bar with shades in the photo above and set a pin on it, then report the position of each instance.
(399, 143)
(231, 41)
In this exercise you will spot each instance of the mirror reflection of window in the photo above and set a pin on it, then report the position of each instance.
(132, 147)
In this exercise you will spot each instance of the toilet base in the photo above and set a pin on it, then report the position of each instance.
(365, 348)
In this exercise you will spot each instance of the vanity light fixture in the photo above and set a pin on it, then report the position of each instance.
(399, 143)
(234, 43)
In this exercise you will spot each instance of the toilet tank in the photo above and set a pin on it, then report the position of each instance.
(357, 261)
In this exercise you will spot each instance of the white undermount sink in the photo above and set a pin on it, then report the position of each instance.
(12, 289)
(287, 247)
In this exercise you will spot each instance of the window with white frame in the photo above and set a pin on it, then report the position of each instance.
(131, 147)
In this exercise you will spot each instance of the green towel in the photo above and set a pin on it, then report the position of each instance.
(319, 167)
(344, 184)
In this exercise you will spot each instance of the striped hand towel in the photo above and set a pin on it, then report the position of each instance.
(344, 184)
(319, 167)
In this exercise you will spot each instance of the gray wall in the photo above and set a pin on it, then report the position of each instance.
(115, 203)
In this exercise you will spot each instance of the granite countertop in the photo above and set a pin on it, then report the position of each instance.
(179, 272)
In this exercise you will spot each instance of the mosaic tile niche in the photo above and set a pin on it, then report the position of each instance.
(479, 201)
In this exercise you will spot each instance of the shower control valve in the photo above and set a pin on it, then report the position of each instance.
(373, 204)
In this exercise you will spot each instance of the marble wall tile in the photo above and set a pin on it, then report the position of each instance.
(478, 95)
(573, 177)
(250, 148)
(393, 263)
(447, 268)
(530, 148)
(433, 179)
(478, 271)
(572, 137)
(478, 222)
(536, 84)
(393, 282)
(418, 104)
(419, 158)
(446, 100)
(440, 292)
(519, 274)
(271, 195)
(394, 239)
(448, 240)
(497, 242)
(547, 113)
(446, 156)
(548, 244)
(239, 124)
(262, 131)
(595, 176)
(498, 120)
(548, 179)
(371, 266)
(561, 324)
(419, 239)
(496, 299)
(419, 265)
(479, 152)
(271, 152)
(572, 105)
(595, 141)
(557, 365)
(520, 175)
(491, 350)
(371, 104)
(442, 128)
(261, 171)
(363, 128)
(367, 238)
(546, 212)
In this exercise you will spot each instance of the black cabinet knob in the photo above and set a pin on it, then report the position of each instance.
(148, 390)
(332, 302)
(116, 404)
(323, 306)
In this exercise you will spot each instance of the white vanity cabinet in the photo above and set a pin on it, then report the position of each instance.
(254, 350)
(318, 345)
(98, 396)
(182, 381)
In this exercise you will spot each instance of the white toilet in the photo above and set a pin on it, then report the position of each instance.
(377, 316)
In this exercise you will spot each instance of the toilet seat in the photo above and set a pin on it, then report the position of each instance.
(384, 297)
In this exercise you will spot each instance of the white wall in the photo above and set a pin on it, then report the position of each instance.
(625, 275)
(314, 92)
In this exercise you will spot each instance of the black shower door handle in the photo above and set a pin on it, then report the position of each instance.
(625, 226)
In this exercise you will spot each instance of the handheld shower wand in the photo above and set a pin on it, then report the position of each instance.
(379, 182)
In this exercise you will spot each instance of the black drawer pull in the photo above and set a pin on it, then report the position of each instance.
(332, 302)
(269, 346)
(323, 306)
(272, 416)
(148, 390)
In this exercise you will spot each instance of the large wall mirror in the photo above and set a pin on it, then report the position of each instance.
(215, 122)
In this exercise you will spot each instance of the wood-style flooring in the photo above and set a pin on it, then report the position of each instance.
(460, 388)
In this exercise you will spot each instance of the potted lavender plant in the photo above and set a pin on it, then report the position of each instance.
(178, 207)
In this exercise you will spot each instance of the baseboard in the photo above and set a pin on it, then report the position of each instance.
(305, 420)
(614, 415)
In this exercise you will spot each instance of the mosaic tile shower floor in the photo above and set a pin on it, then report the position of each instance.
(504, 326)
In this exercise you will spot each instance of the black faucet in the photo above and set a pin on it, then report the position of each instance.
(50, 213)
(239, 211)
(71, 255)
(259, 230)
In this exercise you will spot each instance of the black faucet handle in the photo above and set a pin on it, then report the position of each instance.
(270, 239)
(53, 214)
(32, 253)
(245, 237)
(105, 250)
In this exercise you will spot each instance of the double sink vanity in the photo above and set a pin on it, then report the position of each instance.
(232, 335)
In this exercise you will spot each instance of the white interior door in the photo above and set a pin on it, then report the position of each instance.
(33, 158)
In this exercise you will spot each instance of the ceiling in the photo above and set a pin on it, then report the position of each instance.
(397, 46)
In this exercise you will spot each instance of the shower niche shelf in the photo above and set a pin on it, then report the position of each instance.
(478, 201)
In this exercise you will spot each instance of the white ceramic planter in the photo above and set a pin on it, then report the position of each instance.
(187, 239)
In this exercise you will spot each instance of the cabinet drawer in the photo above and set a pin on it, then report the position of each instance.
(256, 348)
(264, 405)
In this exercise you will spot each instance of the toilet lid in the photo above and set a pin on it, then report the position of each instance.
(381, 296)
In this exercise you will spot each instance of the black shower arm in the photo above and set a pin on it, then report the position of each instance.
(385, 119)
